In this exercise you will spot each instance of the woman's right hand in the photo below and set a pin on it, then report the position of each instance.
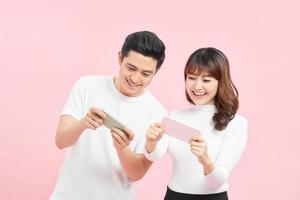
(154, 134)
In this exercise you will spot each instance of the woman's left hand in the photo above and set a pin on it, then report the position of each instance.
(199, 148)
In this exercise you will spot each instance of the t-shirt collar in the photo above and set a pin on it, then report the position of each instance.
(116, 92)
(210, 108)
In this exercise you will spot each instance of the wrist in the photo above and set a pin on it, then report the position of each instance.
(82, 124)
(150, 147)
(208, 166)
(122, 149)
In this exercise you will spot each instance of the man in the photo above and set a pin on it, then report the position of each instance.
(102, 164)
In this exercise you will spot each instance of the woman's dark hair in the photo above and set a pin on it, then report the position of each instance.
(216, 64)
(147, 44)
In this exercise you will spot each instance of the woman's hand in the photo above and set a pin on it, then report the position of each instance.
(199, 148)
(154, 134)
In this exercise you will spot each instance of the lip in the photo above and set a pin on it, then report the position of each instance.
(130, 85)
(199, 94)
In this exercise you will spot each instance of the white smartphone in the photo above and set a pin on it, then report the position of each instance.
(179, 130)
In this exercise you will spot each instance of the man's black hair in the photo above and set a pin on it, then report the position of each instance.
(145, 43)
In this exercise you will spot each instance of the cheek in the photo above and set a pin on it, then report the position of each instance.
(188, 85)
(214, 89)
(188, 89)
(147, 80)
(121, 71)
(124, 71)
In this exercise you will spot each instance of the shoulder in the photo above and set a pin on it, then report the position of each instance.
(87, 83)
(174, 113)
(85, 80)
(155, 105)
(238, 124)
(239, 120)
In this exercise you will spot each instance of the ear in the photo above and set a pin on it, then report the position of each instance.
(120, 57)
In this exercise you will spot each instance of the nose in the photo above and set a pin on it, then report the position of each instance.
(198, 84)
(135, 78)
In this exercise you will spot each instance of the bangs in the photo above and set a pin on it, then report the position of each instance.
(198, 70)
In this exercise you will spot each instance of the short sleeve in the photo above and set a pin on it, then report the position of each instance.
(75, 102)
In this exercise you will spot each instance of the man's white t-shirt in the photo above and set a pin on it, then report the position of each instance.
(92, 169)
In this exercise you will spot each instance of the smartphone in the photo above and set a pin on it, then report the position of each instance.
(111, 122)
(179, 130)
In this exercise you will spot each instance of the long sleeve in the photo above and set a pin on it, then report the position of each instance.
(231, 149)
(155, 117)
(160, 150)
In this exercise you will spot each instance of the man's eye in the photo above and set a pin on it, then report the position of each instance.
(131, 68)
(146, 75)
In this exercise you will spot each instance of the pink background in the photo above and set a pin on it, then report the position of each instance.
(45, 46)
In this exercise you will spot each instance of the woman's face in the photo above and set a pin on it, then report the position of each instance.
(202, 89)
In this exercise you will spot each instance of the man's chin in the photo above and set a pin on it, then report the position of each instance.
(133, 93)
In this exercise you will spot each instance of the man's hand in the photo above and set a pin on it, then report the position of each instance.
(69, 129)
(134, 165)
(94, 118)
(120, 138)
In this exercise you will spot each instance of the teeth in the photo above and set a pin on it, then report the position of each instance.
(199, 93)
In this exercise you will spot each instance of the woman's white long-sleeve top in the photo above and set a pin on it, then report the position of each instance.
(224, 148)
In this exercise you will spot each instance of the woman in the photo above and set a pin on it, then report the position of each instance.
(201, 168)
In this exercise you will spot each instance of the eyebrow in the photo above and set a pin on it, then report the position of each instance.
(208, 76)
(145, 71)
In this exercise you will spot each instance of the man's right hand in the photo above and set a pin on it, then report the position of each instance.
(69, 129)
(94, 118)
(154, 134)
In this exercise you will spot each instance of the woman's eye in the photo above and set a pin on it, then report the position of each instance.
(191, 78)
(206, 80)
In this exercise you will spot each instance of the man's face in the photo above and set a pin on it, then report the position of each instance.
(136, 73)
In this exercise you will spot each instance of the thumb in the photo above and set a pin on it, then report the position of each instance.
(159, 124)
(129, 133)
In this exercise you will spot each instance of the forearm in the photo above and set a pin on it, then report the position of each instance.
(208, 166)
(155, 151)
(134, 165)
(217, 177)
(150, 146)
(67, 134)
